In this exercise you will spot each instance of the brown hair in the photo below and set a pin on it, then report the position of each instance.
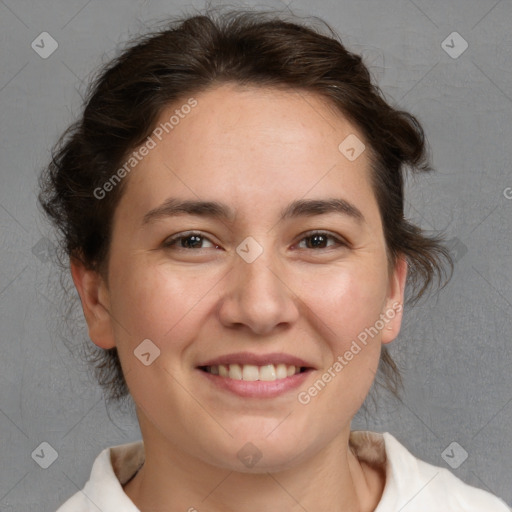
(189, 55)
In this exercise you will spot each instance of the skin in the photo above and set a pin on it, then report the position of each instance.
(256, 150)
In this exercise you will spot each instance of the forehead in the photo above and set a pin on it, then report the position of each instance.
(250, 144)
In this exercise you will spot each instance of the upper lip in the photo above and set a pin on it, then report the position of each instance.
(242, 358)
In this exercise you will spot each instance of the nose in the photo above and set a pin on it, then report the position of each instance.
(259, 296)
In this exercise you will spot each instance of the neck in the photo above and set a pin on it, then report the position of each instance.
(332, 479)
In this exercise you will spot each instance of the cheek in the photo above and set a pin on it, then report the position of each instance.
(347, 299)
(345, 306)
(166, 305)
(156, 301)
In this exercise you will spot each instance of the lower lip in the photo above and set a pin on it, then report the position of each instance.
(257, 388)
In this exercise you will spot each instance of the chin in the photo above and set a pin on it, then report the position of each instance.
(251, 452)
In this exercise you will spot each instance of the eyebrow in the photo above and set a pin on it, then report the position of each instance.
(217, 210)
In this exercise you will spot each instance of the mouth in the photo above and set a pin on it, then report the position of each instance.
(252, 373)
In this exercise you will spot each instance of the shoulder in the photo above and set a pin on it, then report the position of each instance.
(103, 491)
(412, 484)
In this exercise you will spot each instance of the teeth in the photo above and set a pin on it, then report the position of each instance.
(268, 372)
(281, 372)
(251, 372)
(235, 371)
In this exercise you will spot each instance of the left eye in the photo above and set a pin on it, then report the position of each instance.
(319, 239)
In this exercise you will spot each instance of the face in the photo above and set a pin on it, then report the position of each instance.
(285, 297)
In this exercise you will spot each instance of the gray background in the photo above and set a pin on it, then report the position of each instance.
(454, 349)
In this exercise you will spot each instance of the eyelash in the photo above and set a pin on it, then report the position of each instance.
(172, 241)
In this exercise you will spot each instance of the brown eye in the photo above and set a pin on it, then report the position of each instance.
(187, 241)
(319, 240)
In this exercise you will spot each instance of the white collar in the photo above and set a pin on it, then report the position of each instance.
(411, 484)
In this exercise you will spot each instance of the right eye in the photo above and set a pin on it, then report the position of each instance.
(187, 240)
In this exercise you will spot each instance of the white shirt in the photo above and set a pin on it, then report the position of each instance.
(412, 485)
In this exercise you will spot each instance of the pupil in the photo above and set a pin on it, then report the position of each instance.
(316, 238)
(196, 238)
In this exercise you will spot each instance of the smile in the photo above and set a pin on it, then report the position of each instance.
(251, 372)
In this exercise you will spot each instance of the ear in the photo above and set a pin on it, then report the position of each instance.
(392, 313)
(95, 303)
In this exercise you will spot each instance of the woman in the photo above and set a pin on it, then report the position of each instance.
(231, 203)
